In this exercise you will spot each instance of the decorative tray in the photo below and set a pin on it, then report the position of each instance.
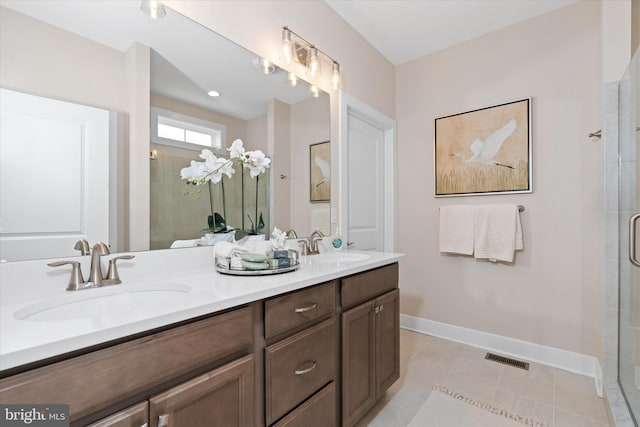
(234, 272)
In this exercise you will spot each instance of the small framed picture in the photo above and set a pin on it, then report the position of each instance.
(484, 151)
(320, 172)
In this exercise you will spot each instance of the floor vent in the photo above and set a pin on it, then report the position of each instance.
(507, 361)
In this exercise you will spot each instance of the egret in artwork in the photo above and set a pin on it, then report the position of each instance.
(485, 151)
(325, 169)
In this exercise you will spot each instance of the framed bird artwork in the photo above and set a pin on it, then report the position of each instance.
(320, 171)
(484, 151)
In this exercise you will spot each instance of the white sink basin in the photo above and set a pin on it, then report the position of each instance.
(103, 304)
(339, 257)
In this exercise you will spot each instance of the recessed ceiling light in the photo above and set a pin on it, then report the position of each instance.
(213, 93)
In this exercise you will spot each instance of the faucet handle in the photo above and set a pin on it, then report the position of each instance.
(76, 279)
(82, 246)
(112, 273)
(305, 246)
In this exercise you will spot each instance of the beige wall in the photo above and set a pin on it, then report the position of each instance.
(44, 60)
(309, 125)
(552, 294)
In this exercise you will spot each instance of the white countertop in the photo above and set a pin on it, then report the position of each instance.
(31, 284)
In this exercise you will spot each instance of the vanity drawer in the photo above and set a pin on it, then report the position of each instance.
(370, 284)
(318, 411)
(298, 366)
(102, 378)
(299, 308)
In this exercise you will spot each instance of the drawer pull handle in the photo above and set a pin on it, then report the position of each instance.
(163, 420)
(314, 363)
(305, 309)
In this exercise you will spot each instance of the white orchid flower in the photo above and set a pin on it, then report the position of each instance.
(196, 172)
(207, 154)
(226, 167)
(257, 163)
(237, 149)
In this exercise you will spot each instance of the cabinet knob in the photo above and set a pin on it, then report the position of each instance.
(305, 309)
(314, 363)
(163, 420)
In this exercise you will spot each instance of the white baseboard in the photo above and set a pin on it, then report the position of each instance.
(558, 358)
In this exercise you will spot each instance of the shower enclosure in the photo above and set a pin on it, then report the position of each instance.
(629, 237)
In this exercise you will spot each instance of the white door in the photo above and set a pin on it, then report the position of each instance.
(365, 222)
(367, 201)
(54, 176)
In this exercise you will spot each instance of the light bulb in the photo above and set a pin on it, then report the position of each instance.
(292, 80)
(266, 66)
(153, 8)
(286, 44)
(335, 76)
(314, 91)
(313, 64)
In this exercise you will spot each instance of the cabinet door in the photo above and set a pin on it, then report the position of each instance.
(387, 341)
(358, 362)
(223, 397)
(135, 416)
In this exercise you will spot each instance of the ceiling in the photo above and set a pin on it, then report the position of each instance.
(403, 30)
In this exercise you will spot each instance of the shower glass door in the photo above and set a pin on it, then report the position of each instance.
(629, 233)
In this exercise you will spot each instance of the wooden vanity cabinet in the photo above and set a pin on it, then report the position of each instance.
(134, 370)
(370, 340)
(220, 398)
(301, 368)
(135, 416)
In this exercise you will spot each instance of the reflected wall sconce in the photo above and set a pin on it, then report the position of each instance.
(264, 65)
(153, 9)
(295, 48)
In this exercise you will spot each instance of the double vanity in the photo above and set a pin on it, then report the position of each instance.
(179, 344)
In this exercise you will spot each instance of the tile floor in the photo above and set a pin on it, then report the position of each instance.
(557, 397)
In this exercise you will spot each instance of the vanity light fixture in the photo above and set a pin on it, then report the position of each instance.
(296, 48)
(213, 93)
(153, 9)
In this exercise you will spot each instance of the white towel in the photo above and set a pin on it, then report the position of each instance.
(185, 243)
(498, 232)
(456, 229)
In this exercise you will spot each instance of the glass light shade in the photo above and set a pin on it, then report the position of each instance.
(292, 80)
(313, 64)
(335, 76)
(266, 66)
(153, 8)
(314, 91)
(286, 45)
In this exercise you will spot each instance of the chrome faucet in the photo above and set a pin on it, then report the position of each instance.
(313, 242)
(95, 272)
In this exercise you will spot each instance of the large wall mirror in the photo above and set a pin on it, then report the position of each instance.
(81, 53)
